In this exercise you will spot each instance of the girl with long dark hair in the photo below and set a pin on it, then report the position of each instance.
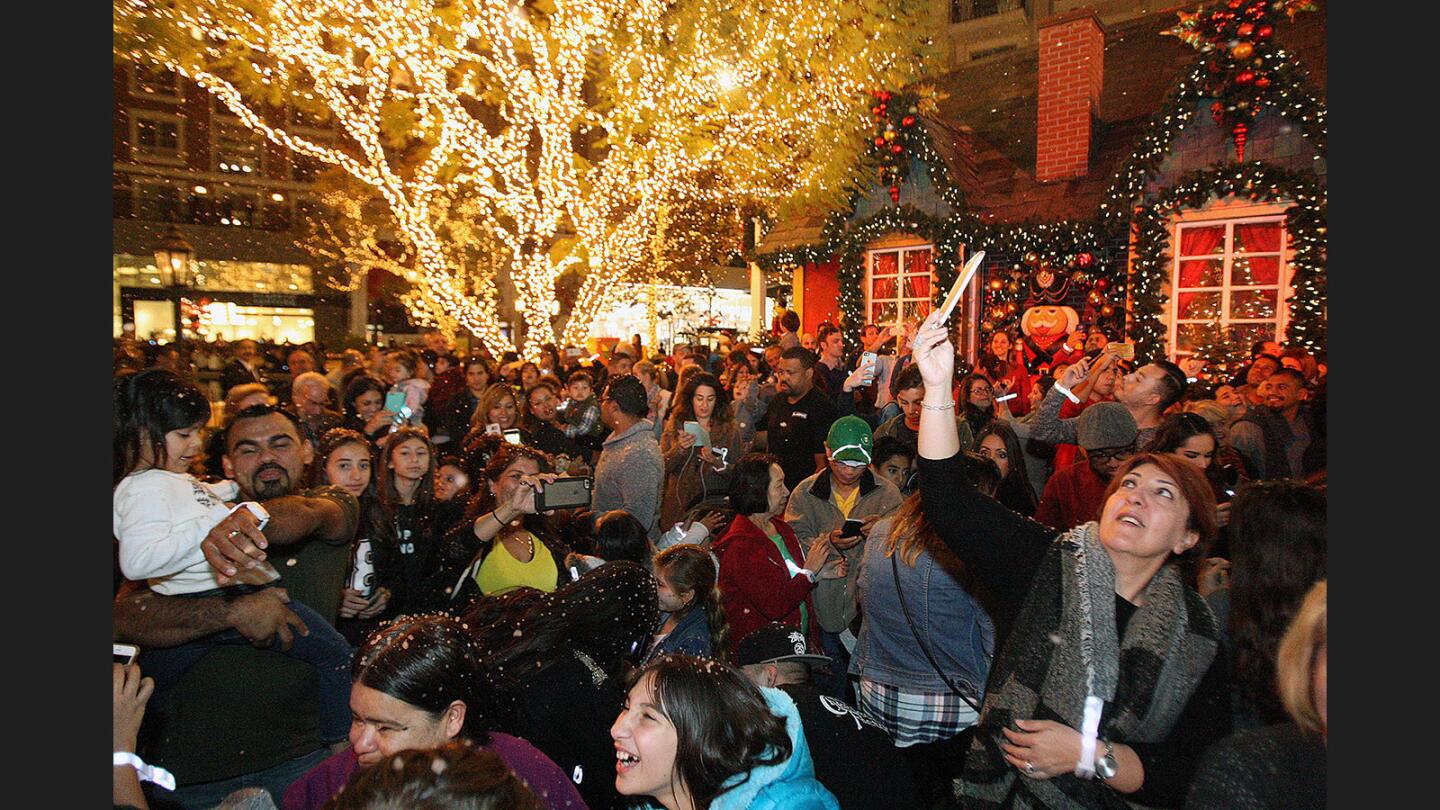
(693, 472)
(998, 442)
(695, 734)
(346, 459)
(403, 515)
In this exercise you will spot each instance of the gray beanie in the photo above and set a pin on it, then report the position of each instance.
(1104, 425)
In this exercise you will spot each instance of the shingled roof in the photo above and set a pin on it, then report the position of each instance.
(985, 129)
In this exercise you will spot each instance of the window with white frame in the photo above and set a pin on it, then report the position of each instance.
(897, 284)
(156, 137)
(1231, 274)
(237, 148)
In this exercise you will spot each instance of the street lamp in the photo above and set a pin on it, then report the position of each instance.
(172, 258)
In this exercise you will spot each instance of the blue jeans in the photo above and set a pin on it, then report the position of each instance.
(205, 795)
(836, 684)
(325, 649)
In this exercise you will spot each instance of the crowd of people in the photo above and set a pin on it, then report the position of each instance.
(741, 575)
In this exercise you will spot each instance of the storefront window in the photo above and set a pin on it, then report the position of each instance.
(266, 277)
(278, 324)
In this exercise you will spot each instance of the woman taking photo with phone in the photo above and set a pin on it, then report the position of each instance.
(1094, 625)
(695, 471)
(509, 543)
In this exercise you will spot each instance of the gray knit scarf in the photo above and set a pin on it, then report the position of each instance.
(1069, 619)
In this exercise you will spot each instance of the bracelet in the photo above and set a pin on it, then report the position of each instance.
(1067, 392)
(949, 406)
(147, 773)
(495, 513)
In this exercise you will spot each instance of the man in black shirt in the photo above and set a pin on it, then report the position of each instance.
(854, 758)
(799, 417)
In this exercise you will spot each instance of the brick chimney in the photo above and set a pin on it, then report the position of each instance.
(1072, 71)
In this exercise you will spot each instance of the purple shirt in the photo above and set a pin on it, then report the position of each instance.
(555, 790)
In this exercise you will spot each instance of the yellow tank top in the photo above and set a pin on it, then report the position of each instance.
(845, 504)
(501, 572)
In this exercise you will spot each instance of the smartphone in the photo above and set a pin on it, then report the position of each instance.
(1123, 351)
(851, 528)
(125, 653)
(872, 359)
(492, 429)
(564, 493)
(702, 439)
(757, 350)
(394, 401)
(572, 352)
(512, 436)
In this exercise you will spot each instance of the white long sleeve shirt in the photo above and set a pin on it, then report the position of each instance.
(160, 517)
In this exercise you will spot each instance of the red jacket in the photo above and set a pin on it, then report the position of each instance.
(755, 586)
(1072, 496)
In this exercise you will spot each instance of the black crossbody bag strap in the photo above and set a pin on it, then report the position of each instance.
(900, 592)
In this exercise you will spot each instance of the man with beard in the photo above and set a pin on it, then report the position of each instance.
(1274, 435)
(799, 417)
(243, 717)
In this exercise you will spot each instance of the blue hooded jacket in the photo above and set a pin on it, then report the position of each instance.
(788, 785)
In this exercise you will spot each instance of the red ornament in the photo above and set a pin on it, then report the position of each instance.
(1085, 259)
(907, 121)
(1244, 77)
(895, 194)
(896, 149)
(884, 95)
(1240, 133)
(880, 142)
(1235, 3)
(1102, 284)
(1245, 29)
(879, 111)
(1262, 82)
(1264, 31)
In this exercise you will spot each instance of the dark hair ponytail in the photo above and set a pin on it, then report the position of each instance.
(690, 568)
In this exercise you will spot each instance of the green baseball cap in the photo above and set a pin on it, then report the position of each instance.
(850, 440)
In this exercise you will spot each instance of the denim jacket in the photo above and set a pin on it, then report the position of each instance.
(691, 636)
(955, 628)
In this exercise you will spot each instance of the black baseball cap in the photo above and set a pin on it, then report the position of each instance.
(776, 642)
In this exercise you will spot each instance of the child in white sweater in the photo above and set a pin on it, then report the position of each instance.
(160, 515)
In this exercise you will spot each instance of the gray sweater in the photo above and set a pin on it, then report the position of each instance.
(629, 475)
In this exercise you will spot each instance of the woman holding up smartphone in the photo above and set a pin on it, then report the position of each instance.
(1096, 628)
(509, 543)
(695, 471)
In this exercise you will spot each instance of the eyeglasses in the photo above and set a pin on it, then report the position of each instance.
(1110, 454)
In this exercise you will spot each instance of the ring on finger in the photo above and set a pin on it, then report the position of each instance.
(1030, 768)
(233, 533)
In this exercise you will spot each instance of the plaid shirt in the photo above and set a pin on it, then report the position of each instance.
(580, 417)
(915, 717)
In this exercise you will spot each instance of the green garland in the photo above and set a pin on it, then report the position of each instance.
(1060, 242)
(1304, 223)
(1288, 98)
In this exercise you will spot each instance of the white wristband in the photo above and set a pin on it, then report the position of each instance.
(1089, 731)
(147, 773)
(1006, 398)
(261, 516)
(1068, 394)
(1192, 379)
